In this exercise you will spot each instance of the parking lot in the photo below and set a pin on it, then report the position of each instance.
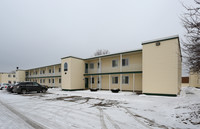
(102, 109)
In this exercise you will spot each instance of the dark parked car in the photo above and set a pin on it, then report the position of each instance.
(10, 88)
(24, 87)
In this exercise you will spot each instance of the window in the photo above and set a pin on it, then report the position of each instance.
(59, 80)
(28, 84)
(36, 72)
(40, 80)
(14, 82)
(43, 80)
(49, 70)
(13, 75)
(43, 71)
(53, 71)
(49, 80)
(65, 66)
(92, 80)
(9, 75)
(125, 79)
(91, 65)
(59, 70)
(98, 64)
(40, 71)
(114, 63)
(124, 62)
(52, 80)
(114, 80)
(98, 80)
(35, 84)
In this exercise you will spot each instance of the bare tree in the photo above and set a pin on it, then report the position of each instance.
(101, 52)
(191, 44)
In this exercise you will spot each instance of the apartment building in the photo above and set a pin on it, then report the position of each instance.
(46, 75)
(8, 78)
(154, 69)
(194, 79)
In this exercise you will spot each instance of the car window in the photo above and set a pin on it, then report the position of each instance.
(29, 84)
(35, 84)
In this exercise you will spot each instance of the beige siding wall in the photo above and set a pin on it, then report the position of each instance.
(8, 77)
(134, 63)
(105, 82)
(194, 80)
(41, 75)
(162, 67)
(20, 75)
(73, 78)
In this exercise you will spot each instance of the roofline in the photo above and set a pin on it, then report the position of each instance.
(139, 50)
(72, 57)
(160, 39)
(42, 67)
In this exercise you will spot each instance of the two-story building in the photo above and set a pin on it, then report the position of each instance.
(154, 69)
(47, 75)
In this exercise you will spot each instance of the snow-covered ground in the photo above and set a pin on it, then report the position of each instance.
(58, 109)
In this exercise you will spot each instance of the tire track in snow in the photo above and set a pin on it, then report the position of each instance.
(134, 116)
(27, 120)
(102, 114)
(102, 119)
(111, 121)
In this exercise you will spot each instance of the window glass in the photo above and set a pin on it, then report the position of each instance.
(59, 80)
(43, 71)
(124, 62)
(98, 80)
(13, 75)
(49, 80)
(52, 80)
(59, 70)
(28, 84)
(9, 75)
(114, 63)
(91, 65)
(125, 79)
(40, 80)
(43, 80)
(115, 80)
(92, 80)
(49, 70)
(35, 84)
(65, 66)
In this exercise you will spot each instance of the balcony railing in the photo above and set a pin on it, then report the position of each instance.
(135, 67)
(45, 75)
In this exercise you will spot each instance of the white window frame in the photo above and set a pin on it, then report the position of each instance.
(91, 64)
(114, 81)
(125, 62)
(124, 80)
(117, 63)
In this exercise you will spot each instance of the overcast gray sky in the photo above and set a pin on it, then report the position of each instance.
(36, 33)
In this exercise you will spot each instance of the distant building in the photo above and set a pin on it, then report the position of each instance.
(185, 81)
(194, 79)
(154, 69)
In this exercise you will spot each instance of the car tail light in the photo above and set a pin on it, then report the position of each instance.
(5, 86)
